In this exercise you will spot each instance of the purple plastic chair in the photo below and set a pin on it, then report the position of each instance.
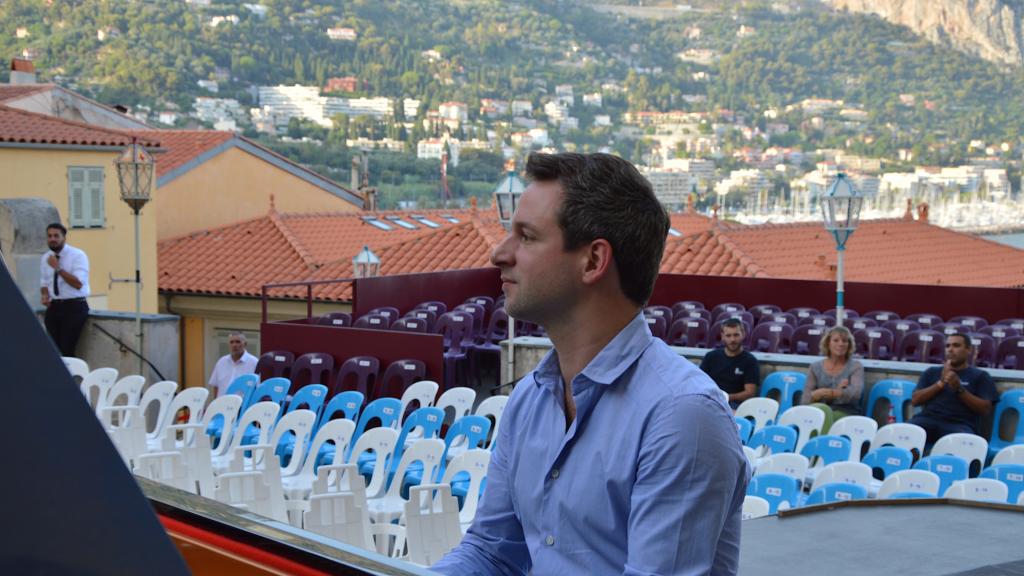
(784, 317)
(410, 325)
(662, 311)
(881, 316)
(1017, 323)
(862, 323)
(358, 373)
(457, 329)
(998, 332)
(899, 329)
(847, 313)
(692, 332)
(923, 346)
(657, 325)
(695, 313)
(746, 317)
(762, 310)
(389, 312)
(924, 319)
(339, 319)
(486, 301)
(478, 312)
(399, 375)
(973, 323)
(819, 320)
(771, 337)
(311, 368)
(372, 322)
(727, 307)
(686, 305)
(423, 314)
(806, 339)
(1010, 353)
(875, 343)
(488, 344)
(948, 328)
(803, 312)
(275, 364)
(434, 306)
(984, 349)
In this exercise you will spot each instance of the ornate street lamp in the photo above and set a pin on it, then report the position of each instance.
(366, 264)
(840, 208)
(507, 194)
(135, 177)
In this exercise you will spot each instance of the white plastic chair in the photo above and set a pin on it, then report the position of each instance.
(493, 408)
(762, 410)
(157, 397)
(979, 490)
(851, 472)
(970, 447)
(299, 423)
(903, 435)
(474, 462)
(459, 399)
(165, 467)
(389, 507)
(808, 420)
(791, 464)
(432, 522)
(339, 432)
(337, 507)
(859, 429)
(422, 392)
(755, 507)
(1012, 454)
(389, 540)
(128, 388)
(96, 384)
(910, 481)
(193, 399)
(77, 367)
(382, 442)
(128, 433)
(254, 484)
(263, 415)
(194, 447)
(228, 407)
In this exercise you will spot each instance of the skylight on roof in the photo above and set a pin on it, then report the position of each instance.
(425, 221)
(674, 232)
(451, 219)
(373, 221)
(402, 223)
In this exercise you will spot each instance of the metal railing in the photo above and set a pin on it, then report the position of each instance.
(309, 284)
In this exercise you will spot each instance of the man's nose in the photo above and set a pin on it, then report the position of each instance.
(501, 255)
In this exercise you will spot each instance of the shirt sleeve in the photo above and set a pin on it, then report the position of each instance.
(494, 543)
(852, 393)
(705, 362)
(80, 267)
(45, 272)
(688, 494)
(925, 380)
(753, 371)
(809, 385)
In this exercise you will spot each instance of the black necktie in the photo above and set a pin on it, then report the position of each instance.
(56, 275)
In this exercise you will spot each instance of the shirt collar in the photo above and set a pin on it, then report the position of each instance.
(614, 359)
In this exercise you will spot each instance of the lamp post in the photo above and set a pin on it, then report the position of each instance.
(366, 264)
(507, 194)
(840, 207)
(135, 178)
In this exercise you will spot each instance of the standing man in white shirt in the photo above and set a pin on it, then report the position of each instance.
(232, 365)
(64, 287)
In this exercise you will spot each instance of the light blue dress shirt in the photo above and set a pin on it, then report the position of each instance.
(649, 478)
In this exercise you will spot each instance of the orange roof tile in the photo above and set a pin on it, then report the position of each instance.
(14, 91)
(185, 145)
(19, 126)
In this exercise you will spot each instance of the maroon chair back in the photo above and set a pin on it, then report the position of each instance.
(875, 343)
(275, 364)
(881, 316)
(923, 346)
(400, 375)
(662, 311)
(862, 323)
(389, 312)
(1010, 353)
(784, 317)
(693, 313)
(984, 350)
(899, 329)
(727, 307)
(338, 319)
(803, 312)
(972, 323)
(657, 326)
(358, 373)
(373, 322)
(772, 337)
(692, 332)
(847, 313)
(686, 306)
(806, 340)
(434, 306)
(478, 312)
(311, 368)
(999, 332)
(924, 319)
(408, 324)
(820, 320)
(423, 314)
(746, 317)
(762, 310)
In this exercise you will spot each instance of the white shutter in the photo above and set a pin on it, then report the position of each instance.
(94, 189)
(85, 197)
(76, 189)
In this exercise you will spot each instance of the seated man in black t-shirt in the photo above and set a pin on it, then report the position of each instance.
(735, 370)
(954, 395)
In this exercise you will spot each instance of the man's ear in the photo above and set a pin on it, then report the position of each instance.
(598, 261)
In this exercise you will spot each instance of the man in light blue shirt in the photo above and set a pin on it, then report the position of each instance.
(615, 455)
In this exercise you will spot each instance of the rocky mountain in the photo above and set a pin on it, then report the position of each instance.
(990, 29)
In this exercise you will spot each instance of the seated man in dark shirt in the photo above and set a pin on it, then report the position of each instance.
(954, 395)
(735, 370)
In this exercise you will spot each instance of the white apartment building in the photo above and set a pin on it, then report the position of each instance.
(522, 108)
(379, 107)
(410, 107)
(433, 148)
(287, 102)
(593, 99)
(556, 111)
(670, 187)
(453, 111)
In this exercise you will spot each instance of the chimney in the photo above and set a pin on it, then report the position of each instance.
(23, 71)
(922, 212)
(357, 165)
(369, 198)
(908, 215)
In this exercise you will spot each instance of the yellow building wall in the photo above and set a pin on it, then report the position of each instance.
(232, 186)
(28, 173)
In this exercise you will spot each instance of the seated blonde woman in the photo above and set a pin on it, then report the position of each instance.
(837, 380)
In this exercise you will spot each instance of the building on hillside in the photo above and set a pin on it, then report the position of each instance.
(342, 84)
(410, 107)
(454, 111)
(378, 107)
(342, 33)
(522, 108)
(283, 103)
(672, 188)
(434, 148)
(71, 165)
(231, 177)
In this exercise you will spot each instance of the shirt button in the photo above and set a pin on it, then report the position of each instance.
(550, 540)
(554, 473)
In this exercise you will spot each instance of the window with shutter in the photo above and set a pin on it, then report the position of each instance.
(85, 197)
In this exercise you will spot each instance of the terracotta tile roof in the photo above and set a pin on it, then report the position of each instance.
(708, 253)
(693, 222)
(19, 126)
(185, 145)
(15, 91)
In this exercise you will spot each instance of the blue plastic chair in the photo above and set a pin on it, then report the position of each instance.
(888, 459)
(784, 387)
(473, 428)
(384, 410)
(836, 492)
(897, 392)
(310, 397)
(429, 419)
(776, 489)
(776, 438)
(348, 403)
(947, 467)
(745, 428)
(1010, 474)
(242, 386)
(828, 448)
(271, 390)
(1009, 401)
(911, 495)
